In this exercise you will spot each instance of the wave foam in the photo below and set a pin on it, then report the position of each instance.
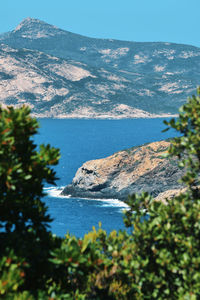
(55, 192)
(112, 202)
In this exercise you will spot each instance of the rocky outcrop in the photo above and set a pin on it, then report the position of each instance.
(130, 171)
(169, 194)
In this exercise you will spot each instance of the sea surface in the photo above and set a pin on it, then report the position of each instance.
(82, 140)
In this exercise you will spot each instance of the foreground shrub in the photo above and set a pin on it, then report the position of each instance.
(157, 258)
(23, 171)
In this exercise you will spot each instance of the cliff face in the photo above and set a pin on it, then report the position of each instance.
(130, 171)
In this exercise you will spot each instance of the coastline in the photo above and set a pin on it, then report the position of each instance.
(56, 193)
(102, 117)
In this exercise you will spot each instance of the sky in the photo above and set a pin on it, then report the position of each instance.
(132, 20)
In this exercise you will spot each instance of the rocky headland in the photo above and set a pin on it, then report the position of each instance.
(126, 172)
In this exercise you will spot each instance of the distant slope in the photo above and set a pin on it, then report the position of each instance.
(89, 77)
(54, 87)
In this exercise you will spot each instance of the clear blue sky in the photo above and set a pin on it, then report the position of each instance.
(134, 20)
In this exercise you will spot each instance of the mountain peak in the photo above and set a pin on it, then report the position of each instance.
(35, 28)
(29, 21)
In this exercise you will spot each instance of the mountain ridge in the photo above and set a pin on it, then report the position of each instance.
(121, 78)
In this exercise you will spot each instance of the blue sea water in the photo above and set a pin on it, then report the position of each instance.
(82, 140)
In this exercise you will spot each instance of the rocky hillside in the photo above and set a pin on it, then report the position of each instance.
(130, 171)
(62, 74)
(54, 87)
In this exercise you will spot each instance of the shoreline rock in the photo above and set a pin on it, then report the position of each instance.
(126, 172)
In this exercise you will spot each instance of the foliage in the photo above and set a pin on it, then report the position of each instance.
(156, 258)
(23, 171)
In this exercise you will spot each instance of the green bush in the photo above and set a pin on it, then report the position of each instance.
(23, 171)
(158, 259)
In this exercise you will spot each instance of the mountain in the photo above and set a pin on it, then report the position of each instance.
(126, 172)
(62, 74)
(54, 87)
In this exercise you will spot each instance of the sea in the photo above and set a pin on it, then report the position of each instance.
(80, 140)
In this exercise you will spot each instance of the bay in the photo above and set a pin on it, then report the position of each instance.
(80, 140)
